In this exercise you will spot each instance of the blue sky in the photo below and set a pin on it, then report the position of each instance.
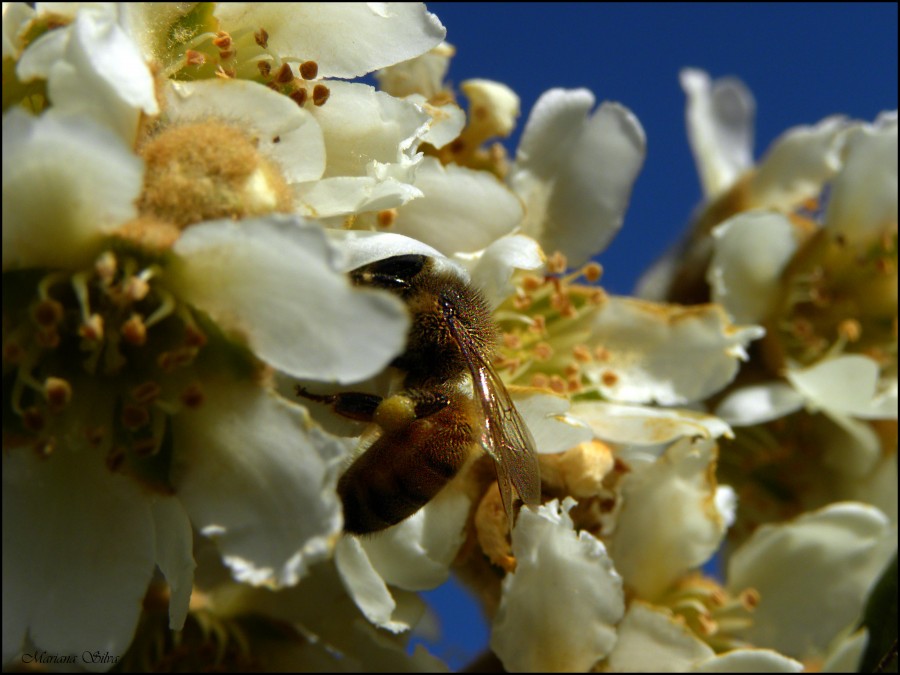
(802, 61)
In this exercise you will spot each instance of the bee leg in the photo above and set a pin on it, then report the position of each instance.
(429, 403)
(354, 405)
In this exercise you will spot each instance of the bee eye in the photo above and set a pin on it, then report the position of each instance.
(394, 272)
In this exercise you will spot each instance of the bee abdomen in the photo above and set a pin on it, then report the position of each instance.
(402, 471)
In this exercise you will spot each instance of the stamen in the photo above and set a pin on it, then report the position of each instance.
(166, 306)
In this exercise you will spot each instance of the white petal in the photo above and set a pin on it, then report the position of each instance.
(93, 179)
(749, 661)
(553, 429)
(575, 173)
(813, 575)
(275, 281)
(366, 587)
(720, 118)
(254, 477)
(416, 553)
(640, 425)
(669, 522)
(345, 39)
(102, 74)
(344, 195)
(359, 247)
(758, 403)
(78, 553)
(864, 198)
(283, 131)
(798, 165)
(559, 608)
(845, 655)
(667, 353)
(16, 17)
(363, 126)
(422, 76)
(448, 223)
(652, 641)
(174, 555)
(492, 269)
(845, 384)
(751, 250)
(447, 121)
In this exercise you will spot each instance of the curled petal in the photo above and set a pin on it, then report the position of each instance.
(670, 520)
(492, 269)
(559, 608)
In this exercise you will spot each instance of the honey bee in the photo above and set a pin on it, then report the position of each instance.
(450, 401)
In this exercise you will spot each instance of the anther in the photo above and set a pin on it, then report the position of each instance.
(543, 351)
(57, 392)
(106, 267)
(850, 330)
(592, 272)
(192, 397)
(194, 58)
(47, 313)
(556, 263)
(222, 41)
(320, 94)
(265, 68)
(300, 96)
(309, 70)
(261, 37)
(386, 217)
(134, 417)
(146, 393)
(134, 331)
(92, 328)
(284, 74)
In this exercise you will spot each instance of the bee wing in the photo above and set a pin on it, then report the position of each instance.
(504, 436)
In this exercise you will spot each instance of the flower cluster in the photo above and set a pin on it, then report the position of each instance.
(185, 189)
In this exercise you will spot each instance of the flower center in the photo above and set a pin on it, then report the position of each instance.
(838, 297)
(551, 306)
(208, 170)
(99, 358)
